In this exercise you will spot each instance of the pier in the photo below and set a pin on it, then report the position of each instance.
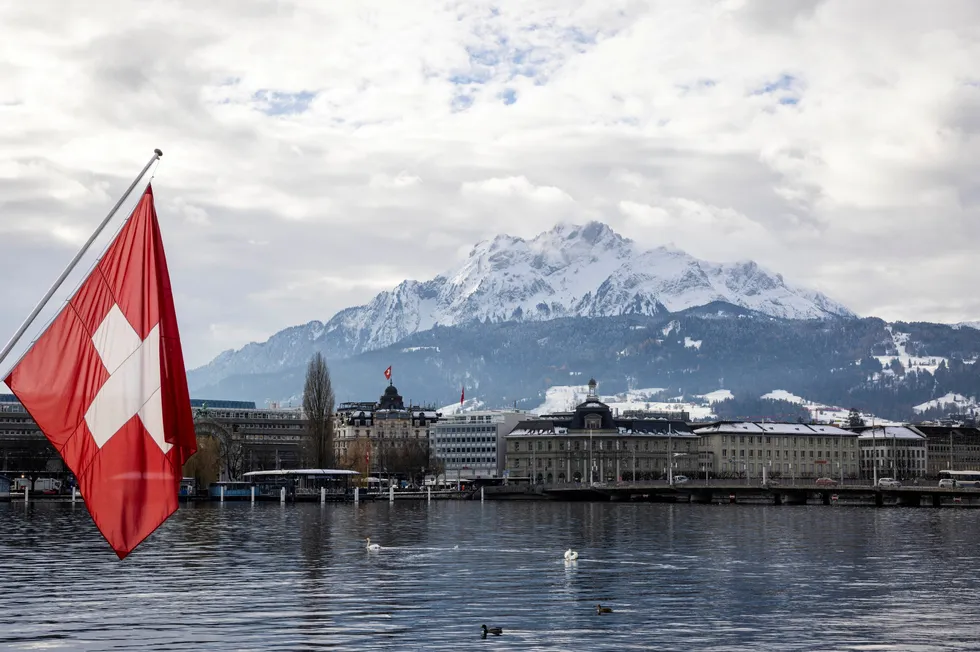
(721, 492)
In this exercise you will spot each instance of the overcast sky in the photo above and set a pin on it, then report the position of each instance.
(317, 152)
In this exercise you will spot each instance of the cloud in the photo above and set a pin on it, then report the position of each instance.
(497, 188)
(315, 152)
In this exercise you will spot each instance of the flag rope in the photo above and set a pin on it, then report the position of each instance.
(74, 261)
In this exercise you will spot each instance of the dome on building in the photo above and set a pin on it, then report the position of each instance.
(391, 399)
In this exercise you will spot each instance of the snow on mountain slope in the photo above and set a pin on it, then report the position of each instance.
(718, 395)
(924, 363)
(564, 398)
(968, 324)
(821, 413)
(950, 400)
(571, 270)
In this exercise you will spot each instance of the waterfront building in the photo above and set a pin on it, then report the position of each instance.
(899, 452)
(472, 444)
(953, 447)
(591, 444)
(387, 436)
(250, 438)
(784, 450)
(24, 450)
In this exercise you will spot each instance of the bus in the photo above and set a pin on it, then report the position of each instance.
(964, 479)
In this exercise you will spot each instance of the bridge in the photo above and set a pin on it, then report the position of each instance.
(736, 492)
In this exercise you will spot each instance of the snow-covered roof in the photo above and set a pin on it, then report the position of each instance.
(657, 433)
(766, 427)
(538, 431)
(890, 432)
(283, 472)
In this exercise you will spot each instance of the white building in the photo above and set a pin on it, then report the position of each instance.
(471, 444)
(784, 450)
(897, 451)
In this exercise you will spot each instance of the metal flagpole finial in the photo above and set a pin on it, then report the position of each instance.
(158, 152)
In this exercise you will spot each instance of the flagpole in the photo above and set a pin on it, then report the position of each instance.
(71, 266)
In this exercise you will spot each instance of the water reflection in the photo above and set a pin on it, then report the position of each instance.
(678, 577)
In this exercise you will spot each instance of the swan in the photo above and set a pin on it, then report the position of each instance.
(496, 631)
(599, 609)
(571, 555)
(372, 546)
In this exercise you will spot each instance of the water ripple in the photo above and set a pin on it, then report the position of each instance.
(678, 577)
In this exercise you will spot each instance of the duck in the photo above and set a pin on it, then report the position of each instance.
(599, 609)
(571, 555)
(496, 631)
(372, 546)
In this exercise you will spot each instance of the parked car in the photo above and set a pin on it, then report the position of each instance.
(947, 483)
(826, 482)
(888, 482)
(680, 479)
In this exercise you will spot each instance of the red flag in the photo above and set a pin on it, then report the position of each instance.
(388, 373)
(106, 385)
(462, 395)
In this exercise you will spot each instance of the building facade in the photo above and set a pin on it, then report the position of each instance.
(383, 437)
(782, 450)
(899, 452)
(472, 445)
(251, 439)
(952, 447)
(592, 445)
(24, 450)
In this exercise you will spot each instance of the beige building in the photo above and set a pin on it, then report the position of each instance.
(592, 445)
(784, 450)
(383, 436)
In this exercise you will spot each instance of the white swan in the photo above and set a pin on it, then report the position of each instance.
(570, 555)
(372, 546)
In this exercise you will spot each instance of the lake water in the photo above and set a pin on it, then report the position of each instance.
(678, 577)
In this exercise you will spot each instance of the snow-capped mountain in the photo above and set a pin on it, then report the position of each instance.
(571, 270)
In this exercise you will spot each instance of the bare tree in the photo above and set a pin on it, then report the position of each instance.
(205, 464)
(318, 402)
(356, 458)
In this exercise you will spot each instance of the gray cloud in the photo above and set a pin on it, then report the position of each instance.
(317, 153)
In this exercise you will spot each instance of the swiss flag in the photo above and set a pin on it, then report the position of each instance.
(388, 373)
(106, 385)
(462, 395)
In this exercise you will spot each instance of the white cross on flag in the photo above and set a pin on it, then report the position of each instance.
(106, 384)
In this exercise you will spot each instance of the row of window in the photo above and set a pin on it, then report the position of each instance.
(769, 454)
(906, 452)
(783, 441)
(600, 444)
(463, 449)
(444, 430)
(548, 462)
(787, 468)
(466, 440)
